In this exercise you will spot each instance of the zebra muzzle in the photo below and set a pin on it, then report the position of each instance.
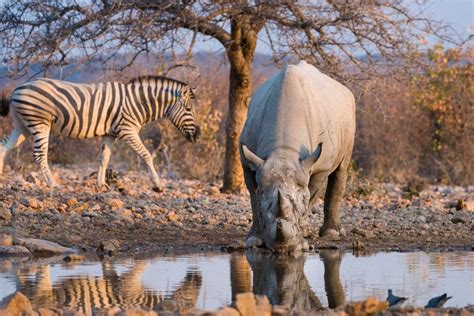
(194, 136)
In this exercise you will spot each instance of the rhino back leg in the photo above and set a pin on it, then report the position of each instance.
(333, 200)
(254, 238)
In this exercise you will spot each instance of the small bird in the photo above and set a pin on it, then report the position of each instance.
(438, 301)
(394, 300)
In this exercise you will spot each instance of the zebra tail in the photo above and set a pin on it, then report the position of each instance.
(4, 104)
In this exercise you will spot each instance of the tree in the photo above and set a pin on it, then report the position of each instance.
(327, 33)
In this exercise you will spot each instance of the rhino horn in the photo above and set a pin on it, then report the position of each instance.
(309, 161)
(284, 232)
(284, 206)
(252, 158)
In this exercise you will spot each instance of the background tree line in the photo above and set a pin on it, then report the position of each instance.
(415, 110)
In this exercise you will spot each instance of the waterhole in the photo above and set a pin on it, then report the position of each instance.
(211, 281)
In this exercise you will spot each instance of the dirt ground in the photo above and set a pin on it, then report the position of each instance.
(190, 216)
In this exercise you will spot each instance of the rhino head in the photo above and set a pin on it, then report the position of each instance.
(282, 199)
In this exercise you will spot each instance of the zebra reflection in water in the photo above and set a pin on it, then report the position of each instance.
(87, 293)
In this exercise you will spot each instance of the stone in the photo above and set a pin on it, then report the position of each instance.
(370, 306)
(137, 312)
(172, 217)
(5, 214)
(6, 240)
(71, 202)
(44, 247)
(461, 217)
(107, 312)
(109, 247)
(246, 304)
(16, 304)
(31, 202)
(280, 310)
(73, 257)
(17, 251)
(34, 177)
(264, 307)
(115, 203)
(226, 311)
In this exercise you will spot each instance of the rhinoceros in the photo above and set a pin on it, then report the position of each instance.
(299, 133)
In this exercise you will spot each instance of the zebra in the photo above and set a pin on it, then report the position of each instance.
(112, 110)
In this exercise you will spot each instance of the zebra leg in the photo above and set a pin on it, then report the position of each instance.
(40, 154)
(16, 138)
(134, 141)
(106, 151)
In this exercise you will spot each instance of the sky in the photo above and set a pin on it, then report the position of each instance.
(457, 13)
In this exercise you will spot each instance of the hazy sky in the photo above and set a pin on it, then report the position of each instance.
(458, 13)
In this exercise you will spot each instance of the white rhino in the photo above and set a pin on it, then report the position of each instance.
(299, 132)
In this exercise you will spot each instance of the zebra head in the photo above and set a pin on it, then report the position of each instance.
(183, 116)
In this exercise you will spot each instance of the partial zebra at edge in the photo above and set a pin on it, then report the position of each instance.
(4, 104)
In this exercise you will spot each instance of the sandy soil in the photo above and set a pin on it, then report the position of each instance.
(192, 216)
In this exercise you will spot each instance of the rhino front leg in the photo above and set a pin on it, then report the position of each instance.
(333, 200)
(254, 238)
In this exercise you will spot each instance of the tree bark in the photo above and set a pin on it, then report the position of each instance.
(239, 95)
(240, 53)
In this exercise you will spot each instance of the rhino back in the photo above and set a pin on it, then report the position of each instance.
(295, 110)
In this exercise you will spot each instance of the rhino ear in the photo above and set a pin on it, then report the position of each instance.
(255, 161)
(309, 161)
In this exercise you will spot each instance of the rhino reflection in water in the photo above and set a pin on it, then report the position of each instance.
(283, 281)
(86, 293)
(299, 133)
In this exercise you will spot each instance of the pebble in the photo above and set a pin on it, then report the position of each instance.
(5, 214)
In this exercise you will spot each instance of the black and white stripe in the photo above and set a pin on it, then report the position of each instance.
(111, 110)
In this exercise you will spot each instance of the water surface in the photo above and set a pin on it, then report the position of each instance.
(210, 281)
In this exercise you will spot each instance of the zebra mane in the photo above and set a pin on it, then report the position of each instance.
(149, 78)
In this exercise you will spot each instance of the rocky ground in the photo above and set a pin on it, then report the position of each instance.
(192, 216)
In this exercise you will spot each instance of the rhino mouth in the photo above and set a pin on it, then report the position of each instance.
(283, 237)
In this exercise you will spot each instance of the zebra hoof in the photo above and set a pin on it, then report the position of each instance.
(157, 189)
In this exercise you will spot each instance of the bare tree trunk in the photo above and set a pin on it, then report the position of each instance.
(239, 96)
(240, 53)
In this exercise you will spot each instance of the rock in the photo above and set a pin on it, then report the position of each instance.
(172, 217)
(461, 217)
(370, 306)
(5, 214)
(43, 247)
(264, 307)
(109, 247)
(280, 310)
(16, 304)
(34, 177)
(357, 245)
(17, 251)
(362, 232)
(115, 203)
(214, 191)
(107, 312)
(137, 311)
(72, 257)
(465, 205)
(6, 240)
(31, 202)
(71, 202)
(246, 304)
(226, 311)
